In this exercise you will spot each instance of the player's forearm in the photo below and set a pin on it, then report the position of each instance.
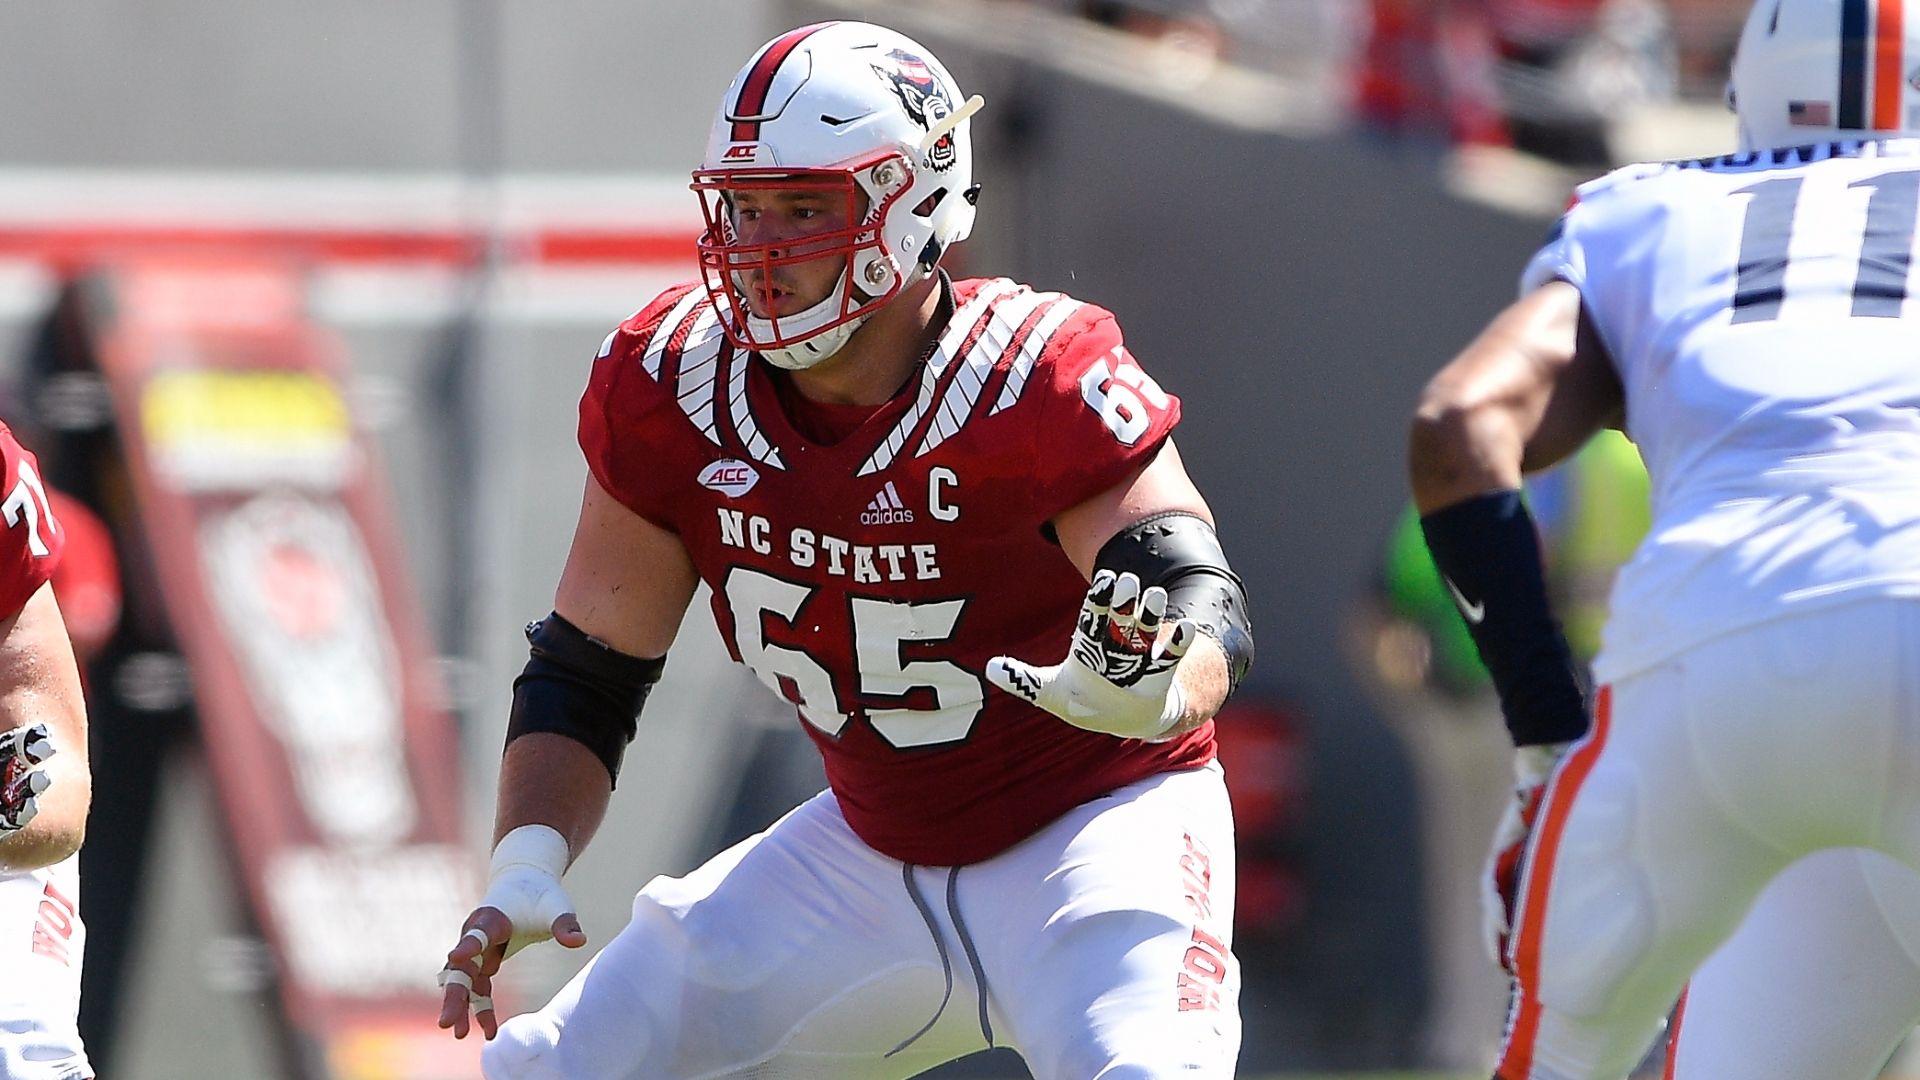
(1202, 678)
(60, 827)
(552, 780)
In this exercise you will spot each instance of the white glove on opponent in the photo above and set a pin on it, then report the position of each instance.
(1118, 677)
(22, 750)
(1500, 885)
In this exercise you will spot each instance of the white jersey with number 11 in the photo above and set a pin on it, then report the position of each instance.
(1758, 310)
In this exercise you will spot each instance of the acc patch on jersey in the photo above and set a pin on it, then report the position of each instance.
(730, 477)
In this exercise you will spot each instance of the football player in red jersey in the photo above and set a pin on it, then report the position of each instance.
(44, 790)
(895, 484)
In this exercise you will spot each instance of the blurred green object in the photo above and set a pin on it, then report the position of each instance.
(1592, 511)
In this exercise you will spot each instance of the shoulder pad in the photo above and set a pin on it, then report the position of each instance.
(679, 321)
(1617, 179)
(1000, 331)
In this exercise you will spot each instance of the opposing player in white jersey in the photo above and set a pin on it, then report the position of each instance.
(44, 790)
(1747, 318)
(894, 484)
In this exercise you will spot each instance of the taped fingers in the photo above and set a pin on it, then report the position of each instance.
(452, 976)
(466, 998)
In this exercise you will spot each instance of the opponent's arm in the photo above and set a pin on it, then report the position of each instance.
(621, 597)
(1528, 392)
(43, 726)
(1158, 577)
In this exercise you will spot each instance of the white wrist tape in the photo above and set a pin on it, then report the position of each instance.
(538, 847)
(524, 883)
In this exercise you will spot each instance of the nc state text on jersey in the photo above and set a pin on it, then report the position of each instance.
(806, 549)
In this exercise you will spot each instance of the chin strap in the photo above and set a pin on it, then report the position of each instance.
(805, 354)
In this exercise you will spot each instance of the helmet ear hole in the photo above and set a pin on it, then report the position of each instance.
(930, 203)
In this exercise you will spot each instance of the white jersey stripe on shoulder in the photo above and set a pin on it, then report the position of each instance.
(663, 333)
(957, 404)
(699, 365)
(958, 328)
(1030, 351)
(743, 422)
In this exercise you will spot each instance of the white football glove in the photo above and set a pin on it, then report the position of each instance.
(22, 750)
(1118, 677)
(1500, 885)
(523, 883)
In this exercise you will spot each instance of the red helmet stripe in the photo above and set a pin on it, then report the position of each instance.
(1888, 71)
(753, 89)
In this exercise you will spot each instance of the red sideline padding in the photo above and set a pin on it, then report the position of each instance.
(75, 245)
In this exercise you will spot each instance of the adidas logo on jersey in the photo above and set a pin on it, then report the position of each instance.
(887, 509)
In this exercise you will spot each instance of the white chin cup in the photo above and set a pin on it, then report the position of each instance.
(816, 346)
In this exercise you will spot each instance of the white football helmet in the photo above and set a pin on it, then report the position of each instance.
(1812, 70)
(853, 110)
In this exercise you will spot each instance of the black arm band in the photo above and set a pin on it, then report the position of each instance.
(1179, 552)
(1488, 552)
(579, 687)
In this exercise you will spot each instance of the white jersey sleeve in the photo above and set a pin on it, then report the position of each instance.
(1561, 256)
(1757, 310)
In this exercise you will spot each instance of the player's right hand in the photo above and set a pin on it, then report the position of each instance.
(22, 781)
(1119, 674)
(525, 903)
(1500, 886)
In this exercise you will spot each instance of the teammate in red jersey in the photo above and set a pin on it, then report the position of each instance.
(44, 790)
(894, 484)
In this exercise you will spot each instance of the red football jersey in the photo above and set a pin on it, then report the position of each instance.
(30, 539)
(870, 581)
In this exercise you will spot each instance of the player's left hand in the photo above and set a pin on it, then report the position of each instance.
(525, 903)
(1500, 885)
(22, 750)
(1118, 676)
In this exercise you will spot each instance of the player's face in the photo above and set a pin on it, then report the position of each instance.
(792, 218)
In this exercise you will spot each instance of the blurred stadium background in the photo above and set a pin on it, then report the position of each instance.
(383, 241)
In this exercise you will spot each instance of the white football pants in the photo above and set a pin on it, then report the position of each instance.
(41, 942)
(1821, 980)
(1702, 779)
(1100, 947)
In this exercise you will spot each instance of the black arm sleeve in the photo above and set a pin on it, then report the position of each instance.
(578, 686)
(1179, 552)
(1488, 551)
